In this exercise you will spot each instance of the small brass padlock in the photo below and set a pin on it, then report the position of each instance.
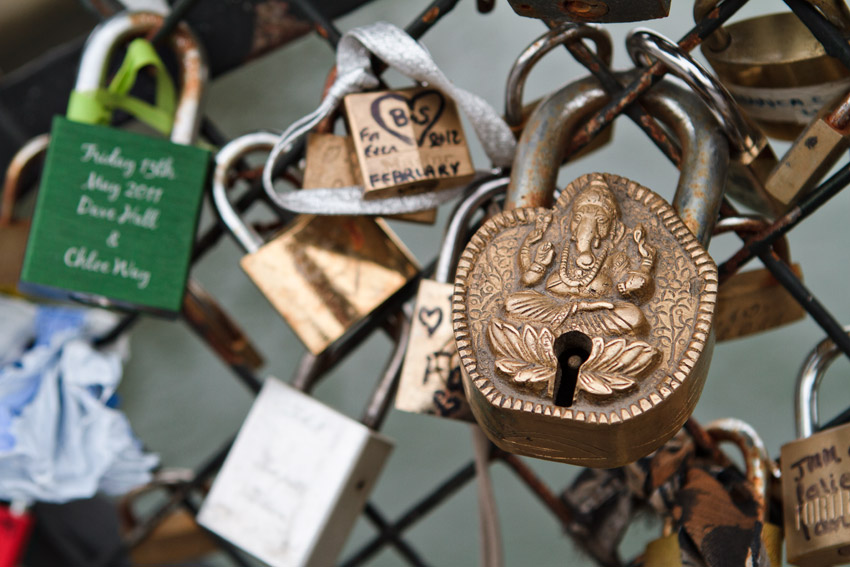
(430, 381)
(753, 301)
(14, 232)
(816, 475)
(585, 330)
(407, 141)
(813, 154)
(329, 162)
(322, 274)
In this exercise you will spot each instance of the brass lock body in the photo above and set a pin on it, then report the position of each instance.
(816, 475)
(812, 155)
(585, 330)
(323, 274)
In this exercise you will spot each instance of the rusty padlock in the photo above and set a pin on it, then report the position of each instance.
(816, 474)
(752, 156)
(322, 274)
(14, 232)
(430, 381)
(599, 11)
(753, 301)
(596, 358)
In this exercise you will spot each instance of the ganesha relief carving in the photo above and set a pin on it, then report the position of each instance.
(579, 278)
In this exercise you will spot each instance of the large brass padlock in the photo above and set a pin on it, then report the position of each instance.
(816, 475)
(14, 232)
(585, 330)
(322, 274)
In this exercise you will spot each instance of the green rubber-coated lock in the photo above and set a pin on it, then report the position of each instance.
(115, 218)
(117, 211)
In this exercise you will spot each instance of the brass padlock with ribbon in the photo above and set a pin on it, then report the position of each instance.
(14, 231)
(816, 474)
(322, 274)
(585, 330)
(117, 211)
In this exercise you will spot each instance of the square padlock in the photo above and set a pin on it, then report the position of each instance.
(297, 477)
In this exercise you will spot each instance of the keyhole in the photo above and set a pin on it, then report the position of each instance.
(572, 349)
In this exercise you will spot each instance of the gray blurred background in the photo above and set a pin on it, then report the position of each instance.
(184, 403)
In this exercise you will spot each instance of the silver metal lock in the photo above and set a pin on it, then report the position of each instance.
(295, 480)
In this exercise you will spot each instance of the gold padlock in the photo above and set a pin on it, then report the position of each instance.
(322, 274)
(777, 71)
(812, 155)
(816, 475)
(14, 232)
(753, 301)
(585, 330)
(407, 141)
(329, 162)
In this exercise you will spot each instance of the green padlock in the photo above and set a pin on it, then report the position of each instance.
(117, 211)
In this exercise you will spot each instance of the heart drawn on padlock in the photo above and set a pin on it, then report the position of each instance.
(593, 312)
(419, 115)
(431, 318)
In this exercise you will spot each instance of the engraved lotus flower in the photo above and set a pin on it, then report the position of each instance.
(527, 356)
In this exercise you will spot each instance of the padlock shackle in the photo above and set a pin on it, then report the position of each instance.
(546, 137)
(225, 161)
(108, 35)
(808, 382)
(754, 224)
(563, 34)
(760, 467)
(454, 240)
(27, 155)
(645, 45)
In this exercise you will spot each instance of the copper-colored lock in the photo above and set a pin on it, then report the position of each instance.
(585, 330)
(816, 475)
(407, 141)
(322, 274)
(14, 232)
(753, 301)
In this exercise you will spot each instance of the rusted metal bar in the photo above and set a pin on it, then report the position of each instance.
(636, 112)
(538, 487)
(404, 548)
(419, 510)
(652, 74)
